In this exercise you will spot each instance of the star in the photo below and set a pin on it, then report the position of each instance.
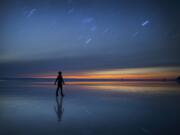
(88, 40)
(31, 12)
(88, 20)
(135, 34)
(70, 11)
(106, 30)
(145, 23)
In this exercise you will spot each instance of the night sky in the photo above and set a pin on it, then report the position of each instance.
(43, 36)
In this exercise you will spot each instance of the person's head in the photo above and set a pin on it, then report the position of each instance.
(59, 72)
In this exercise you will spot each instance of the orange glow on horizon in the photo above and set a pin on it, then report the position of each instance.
(131, 73)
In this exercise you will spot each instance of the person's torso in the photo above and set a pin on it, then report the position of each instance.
(60, 79)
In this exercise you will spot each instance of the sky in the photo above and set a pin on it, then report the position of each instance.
(41, 37)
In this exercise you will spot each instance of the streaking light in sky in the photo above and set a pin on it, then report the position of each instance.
(88, 20)
(88, 40)
(106, 30)
(135, 34)
(70, 11)
(145, 23)
(43, 36)
(32, 11)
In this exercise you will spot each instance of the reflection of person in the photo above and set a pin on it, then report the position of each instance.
(60, 81)
(59, 108)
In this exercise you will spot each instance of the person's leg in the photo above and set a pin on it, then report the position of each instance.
(57, 90)
(62, 91)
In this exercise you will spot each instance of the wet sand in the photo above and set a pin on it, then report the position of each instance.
(128, 109)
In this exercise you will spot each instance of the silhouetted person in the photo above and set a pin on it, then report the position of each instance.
(178, 79)
(60, 81)
(59, 108)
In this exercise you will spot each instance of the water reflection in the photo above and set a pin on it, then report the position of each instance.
(59, 109)
(150, 87)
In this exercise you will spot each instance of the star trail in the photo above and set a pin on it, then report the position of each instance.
(77, 35)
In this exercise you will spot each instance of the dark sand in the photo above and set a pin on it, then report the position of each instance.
(28, 108)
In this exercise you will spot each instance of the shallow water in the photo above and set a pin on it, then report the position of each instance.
(123, 108)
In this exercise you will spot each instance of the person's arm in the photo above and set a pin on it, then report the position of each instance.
(63, 81)
(56, 80)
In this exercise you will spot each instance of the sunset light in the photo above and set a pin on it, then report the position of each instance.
(129, 73)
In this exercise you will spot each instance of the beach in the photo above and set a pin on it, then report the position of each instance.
(28, 107)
